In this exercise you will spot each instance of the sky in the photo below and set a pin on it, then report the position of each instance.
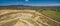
(30, 2)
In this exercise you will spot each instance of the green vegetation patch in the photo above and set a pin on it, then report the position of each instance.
(54, 14)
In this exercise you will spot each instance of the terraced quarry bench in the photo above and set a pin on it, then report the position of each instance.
(25, 18)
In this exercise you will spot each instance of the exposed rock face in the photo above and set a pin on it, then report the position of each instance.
(24, 18)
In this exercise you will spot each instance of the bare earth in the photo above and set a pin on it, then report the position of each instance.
(25, 18)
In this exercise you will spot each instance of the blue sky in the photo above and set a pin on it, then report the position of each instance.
(30, 2)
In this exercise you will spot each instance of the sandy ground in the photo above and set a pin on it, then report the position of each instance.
(25, 18)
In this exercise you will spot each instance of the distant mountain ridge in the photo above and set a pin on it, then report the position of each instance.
(31, 7)
(27, 6)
